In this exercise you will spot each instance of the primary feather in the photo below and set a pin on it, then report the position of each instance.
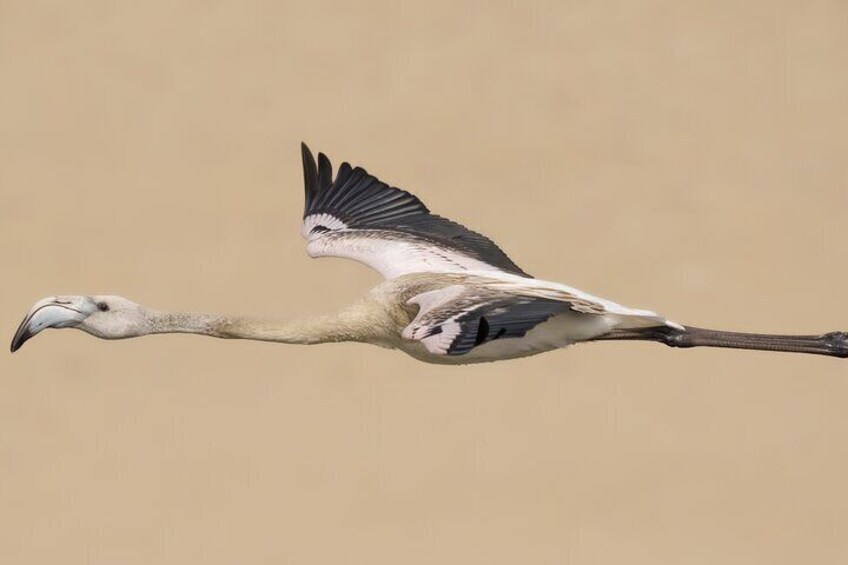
(359, 217)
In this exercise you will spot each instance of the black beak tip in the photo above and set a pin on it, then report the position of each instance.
(21, 336)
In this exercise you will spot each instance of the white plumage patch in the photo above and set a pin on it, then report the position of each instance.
(449, 329)
(326, 220)
(554, 290)
(391, 254)
(440, 343)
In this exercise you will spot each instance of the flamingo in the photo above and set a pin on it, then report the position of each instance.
(450, 295)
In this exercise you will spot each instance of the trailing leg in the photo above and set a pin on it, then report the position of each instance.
(834, 344)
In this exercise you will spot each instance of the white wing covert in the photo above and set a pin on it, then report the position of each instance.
(359, 217)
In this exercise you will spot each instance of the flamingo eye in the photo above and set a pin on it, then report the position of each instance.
(102, 306)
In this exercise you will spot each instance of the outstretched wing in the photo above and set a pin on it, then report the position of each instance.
(359, 217)
(456, 319)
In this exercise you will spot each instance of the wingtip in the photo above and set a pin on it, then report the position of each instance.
(310, 172)
(306, 154)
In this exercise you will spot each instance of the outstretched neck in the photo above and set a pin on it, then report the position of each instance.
(355, 323)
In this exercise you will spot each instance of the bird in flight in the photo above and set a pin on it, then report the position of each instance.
(450, 294)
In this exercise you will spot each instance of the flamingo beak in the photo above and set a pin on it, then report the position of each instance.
(53, 312)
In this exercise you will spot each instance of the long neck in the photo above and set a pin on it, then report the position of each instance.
(359, 322)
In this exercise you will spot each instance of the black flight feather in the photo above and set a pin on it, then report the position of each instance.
(310, 173)
(505, 318)
(362, 201)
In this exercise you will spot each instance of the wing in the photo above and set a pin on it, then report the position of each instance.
(456, 319)
(359, 217)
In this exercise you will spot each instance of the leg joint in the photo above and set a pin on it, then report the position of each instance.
(671, 337)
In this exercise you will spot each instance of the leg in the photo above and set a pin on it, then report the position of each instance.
(834, 344)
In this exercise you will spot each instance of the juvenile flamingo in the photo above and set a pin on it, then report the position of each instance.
(450, 296)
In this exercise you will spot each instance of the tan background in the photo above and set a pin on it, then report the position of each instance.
(685, 157)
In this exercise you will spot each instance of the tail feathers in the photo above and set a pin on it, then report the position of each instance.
(643, 319)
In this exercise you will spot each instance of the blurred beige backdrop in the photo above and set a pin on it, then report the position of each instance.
(688, 157)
